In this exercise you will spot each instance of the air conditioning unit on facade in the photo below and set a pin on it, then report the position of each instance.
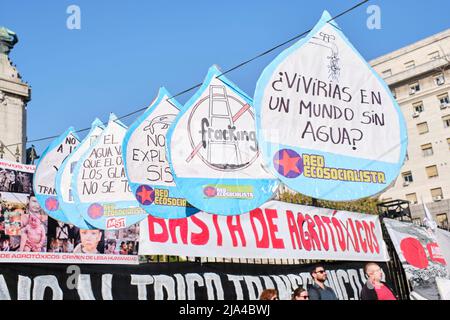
(444, 105)
(437, 198)
(415, 114)
(406, 183)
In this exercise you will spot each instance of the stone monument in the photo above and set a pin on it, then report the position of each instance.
(14, 96)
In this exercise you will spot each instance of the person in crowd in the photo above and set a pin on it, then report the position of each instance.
(62, 232)
(269, 294)
(12, 184)
(375, 289)
(70, 245)
(300, 294)
(89, 241)
(2, 205)
(110, 247)
(123, 248)
(318, 290)
(33, 236)
(5, 245)
(130, 248)
(54, 245)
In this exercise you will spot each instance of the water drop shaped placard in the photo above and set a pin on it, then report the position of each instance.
(100, 186)
(65, 174)
(327, 124)
(46, 170)
(146, 165)
(214, 153)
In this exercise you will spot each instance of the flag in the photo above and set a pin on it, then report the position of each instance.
(428, 219)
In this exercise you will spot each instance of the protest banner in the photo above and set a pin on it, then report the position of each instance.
(64, 177)
(328, 125)
(28, 235)
(46, 170)
(213, 151)
(16, 177)
(420, 255)
(145, 161)
(23, 224)
(443, 239)
(275, 230)
(172, 281)
(100, 186)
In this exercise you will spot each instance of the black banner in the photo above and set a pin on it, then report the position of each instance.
(169, 281)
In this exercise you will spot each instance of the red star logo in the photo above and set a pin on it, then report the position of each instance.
(145, 195)
(288, 163)
(51, 204)
(95, 211)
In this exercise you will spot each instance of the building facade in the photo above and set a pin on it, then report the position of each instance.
(14, 96)
(419, 78)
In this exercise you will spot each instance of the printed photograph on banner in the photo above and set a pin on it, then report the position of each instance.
(213, 151)
(99, 183)
(63, 237)
(123, 241)
(29, 235)
(64, 193)
(15, 181)
(23, 224)
(328, 125)
(146, 164)
(46, 170)
(420, 255)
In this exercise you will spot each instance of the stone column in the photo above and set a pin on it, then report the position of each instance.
(14, 96)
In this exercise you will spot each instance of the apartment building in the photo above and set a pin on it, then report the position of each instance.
(419, 78)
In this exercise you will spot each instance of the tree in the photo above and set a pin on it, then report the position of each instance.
(366, 205)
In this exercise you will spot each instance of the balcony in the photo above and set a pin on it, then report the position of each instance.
(416, 71)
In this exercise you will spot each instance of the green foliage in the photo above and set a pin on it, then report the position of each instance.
(164, 258)
(366, 205)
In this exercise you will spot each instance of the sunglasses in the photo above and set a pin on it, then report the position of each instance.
(321, 271)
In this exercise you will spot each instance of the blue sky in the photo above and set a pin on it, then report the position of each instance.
(126, 50)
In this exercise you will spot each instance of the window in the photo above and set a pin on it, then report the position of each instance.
(442, 220)
(387, 73)
(448, 142)
(432, 171)
(444, 100)
(434, 55)
(407, 178)
(446, 120)
(412, 198)
(422, 127)
(418, 107)
(414, 87)
(427, 149)
(439, 79)
(407, 156)
(410, 64)
(436, 194)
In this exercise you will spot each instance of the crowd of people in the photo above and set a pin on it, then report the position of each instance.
(374, 288)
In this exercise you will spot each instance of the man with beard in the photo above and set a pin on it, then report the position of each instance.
(318, 290)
